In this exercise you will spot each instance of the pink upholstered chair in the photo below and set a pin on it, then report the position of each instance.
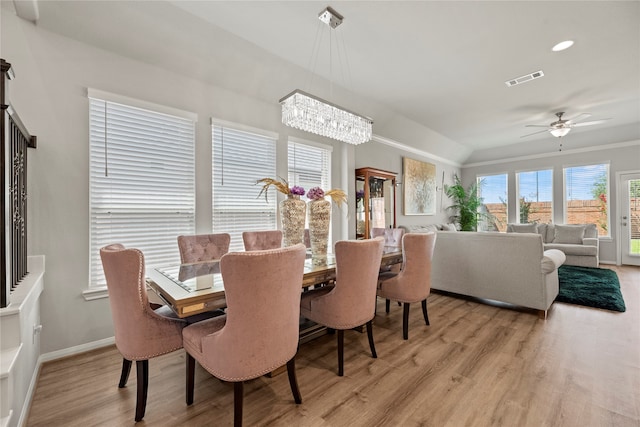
(392, 236)
(140, 332)
(261, 240)
(203, 247)
(413, 282)
(260, 331)
(351, 301)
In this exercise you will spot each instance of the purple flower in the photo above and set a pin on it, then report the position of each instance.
(359, 194)
(297, 190)
(315, 193)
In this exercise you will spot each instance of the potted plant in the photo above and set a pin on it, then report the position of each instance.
(466, 203)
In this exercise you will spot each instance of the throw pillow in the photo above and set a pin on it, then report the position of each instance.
(449, 227)
(569, 234)
(522, 228)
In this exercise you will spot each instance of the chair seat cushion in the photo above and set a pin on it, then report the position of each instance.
(307, 297)
(192, 335)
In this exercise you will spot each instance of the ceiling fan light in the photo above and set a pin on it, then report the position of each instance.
(562, 45)
(559, 132)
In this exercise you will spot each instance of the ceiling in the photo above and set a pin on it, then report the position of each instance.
(442, 64)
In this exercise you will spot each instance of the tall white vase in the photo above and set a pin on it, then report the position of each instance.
(319, 221)
(292, 215)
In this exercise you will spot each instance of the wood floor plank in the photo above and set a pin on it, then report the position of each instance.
(476, 365)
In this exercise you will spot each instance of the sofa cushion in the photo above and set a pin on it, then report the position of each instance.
(551, 260)
(582, 250)
(571, 234)
(522, 228)
(448, 227)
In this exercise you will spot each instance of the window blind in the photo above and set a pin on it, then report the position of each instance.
(586, 196)
(240, 159)
(309, 166)
(142, 182)
(535, 196)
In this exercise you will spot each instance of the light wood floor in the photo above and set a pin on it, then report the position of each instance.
(476, 365)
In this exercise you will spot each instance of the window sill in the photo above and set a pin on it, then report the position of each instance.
(93, 294)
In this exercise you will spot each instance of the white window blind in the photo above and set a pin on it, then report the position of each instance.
(309, 166)
(586, 196)
(241, 158)
(493, 191)
(142, 182)
(535, 196)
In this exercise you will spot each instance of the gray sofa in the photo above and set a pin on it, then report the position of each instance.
(579, 242)
(512, 268)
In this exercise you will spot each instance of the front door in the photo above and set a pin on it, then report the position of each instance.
(629, 194)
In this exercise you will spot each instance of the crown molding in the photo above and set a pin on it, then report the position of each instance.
(554, 154)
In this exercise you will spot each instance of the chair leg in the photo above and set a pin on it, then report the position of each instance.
(387, 305)
(405, 321)
(142, 372)
(190, 382)
(424, 312)
(293, 381)
(237, 403)
(124, 375)
(340, 352)
(370, 336)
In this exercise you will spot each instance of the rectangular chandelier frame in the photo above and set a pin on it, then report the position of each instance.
(301, 110)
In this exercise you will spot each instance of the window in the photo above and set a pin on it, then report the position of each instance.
(586, 196)
(535, 196)
(309, 165)
(493, 191)
(142, 181)
(240, 159)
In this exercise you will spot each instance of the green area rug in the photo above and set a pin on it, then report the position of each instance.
(592, 287)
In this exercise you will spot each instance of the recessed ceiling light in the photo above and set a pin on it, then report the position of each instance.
(562, 45)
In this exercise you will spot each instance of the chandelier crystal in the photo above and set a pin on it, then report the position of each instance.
(309, 113)
(301, 110)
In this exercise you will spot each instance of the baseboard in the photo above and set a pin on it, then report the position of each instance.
(72, 351)
(607, 262)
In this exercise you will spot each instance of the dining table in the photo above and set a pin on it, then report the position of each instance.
(198, 287)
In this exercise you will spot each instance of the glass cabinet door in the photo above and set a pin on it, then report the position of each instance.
(375, 201)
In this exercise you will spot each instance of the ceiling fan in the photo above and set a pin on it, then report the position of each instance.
(561, 127)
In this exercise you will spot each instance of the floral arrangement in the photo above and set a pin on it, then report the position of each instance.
(338, 196)
(281, 185)
(296, 190)
(360, 194)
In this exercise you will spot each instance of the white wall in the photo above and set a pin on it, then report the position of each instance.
(49, 92)
(385, 157)
(620, 156)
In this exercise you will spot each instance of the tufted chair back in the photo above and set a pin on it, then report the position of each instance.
(261, 240)
(203, 247)
(392, 236)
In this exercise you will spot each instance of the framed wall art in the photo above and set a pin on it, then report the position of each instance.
(419, 185)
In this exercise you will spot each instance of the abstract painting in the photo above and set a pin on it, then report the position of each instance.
(419, 187)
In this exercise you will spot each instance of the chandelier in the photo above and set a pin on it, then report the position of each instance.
(301, 110)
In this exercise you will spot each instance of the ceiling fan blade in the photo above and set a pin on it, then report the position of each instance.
(579, 117)
(592, 122)
(536, 126)
(540, 131)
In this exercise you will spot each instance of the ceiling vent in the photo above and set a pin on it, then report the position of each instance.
(524, 79)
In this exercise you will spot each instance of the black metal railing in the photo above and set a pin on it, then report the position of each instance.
(13, 213)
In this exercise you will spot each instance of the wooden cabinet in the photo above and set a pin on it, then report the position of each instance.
(375, 201)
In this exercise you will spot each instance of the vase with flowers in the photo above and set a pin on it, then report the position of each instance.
(319, 211)
(292, 210)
